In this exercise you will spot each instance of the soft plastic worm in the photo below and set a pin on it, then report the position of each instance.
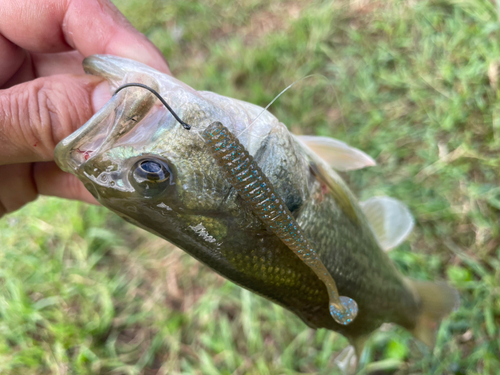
(257, 191)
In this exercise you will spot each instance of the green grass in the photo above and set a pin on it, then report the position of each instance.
(412, 83)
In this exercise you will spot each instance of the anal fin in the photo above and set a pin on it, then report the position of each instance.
(348, 360)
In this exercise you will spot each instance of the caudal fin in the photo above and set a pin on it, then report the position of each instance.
(438, 300)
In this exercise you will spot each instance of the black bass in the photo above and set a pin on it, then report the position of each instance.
(138, 161)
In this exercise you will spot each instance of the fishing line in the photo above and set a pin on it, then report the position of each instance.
(188, 127)
(160, 98)
(285, 90)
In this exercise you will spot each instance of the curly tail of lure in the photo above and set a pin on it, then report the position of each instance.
(257, 191)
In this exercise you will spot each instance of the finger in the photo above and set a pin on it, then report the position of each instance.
(89, 26)
(16, 187)
(23, 74)
(50, 180)
(36, 115)
(49, 64)
(12, 58)
(46, 64)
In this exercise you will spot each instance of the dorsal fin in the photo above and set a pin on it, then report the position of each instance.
(337, 154)
(390, 219)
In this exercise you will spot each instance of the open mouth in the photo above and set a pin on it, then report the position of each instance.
(114, 124)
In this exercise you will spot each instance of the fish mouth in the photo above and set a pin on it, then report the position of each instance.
(114, 121)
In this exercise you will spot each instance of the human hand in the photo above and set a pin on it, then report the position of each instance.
(44, 94)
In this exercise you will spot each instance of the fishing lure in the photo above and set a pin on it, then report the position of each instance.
(254, 187)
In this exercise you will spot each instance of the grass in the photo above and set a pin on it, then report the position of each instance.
(414, 84)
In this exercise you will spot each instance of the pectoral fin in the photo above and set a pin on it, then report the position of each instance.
(337, 154)
(391, 220)
(336, 190)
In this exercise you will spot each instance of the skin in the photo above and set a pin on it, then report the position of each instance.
(197, 209)
(44, 94)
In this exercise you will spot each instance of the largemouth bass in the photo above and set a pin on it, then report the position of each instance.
(138, 161)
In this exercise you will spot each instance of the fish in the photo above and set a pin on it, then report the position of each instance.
(137, 160)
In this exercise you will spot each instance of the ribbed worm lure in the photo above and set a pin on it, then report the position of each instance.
(254, 187)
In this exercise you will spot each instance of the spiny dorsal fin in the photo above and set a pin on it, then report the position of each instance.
(337, 154)
(336, 190)
(390, 220)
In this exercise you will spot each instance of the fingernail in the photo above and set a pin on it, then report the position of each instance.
(100, 96)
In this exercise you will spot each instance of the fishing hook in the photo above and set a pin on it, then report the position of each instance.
(160, 98)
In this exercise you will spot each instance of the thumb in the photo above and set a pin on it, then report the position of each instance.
(36, 115)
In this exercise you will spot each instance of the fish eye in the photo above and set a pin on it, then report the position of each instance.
(151, 176)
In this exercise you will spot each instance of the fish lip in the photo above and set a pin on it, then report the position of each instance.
(69, 157)
(70, 154)
(64, 155)
(119, 116)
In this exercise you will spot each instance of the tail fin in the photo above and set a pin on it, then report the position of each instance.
(438, 300)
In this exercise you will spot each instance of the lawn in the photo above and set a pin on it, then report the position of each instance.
(415, 84)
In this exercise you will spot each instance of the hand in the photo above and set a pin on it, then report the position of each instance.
(44, 94)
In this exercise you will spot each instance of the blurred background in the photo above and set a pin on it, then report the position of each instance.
(412, 83)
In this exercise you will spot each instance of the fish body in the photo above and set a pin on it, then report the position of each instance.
(191, 204)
